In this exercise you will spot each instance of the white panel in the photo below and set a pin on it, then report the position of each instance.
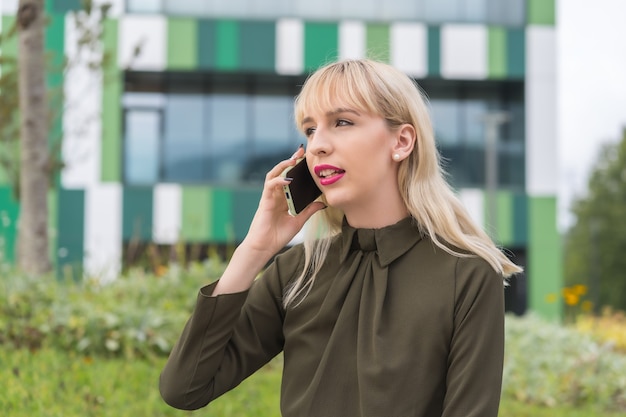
(474, 201)
(541, 112)
(103, 231)
(82, 124)
(117, 7)
(8, 8)
(289, 46)
(351, 40)
(149, 33)
(464, 51)
(409, 48)
(167, 214)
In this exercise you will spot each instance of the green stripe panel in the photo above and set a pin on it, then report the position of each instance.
(137, 203)
(258, 46)
(55, 59)
(222, 216)
(497, 52)
(196, 212)
(55, 55)
(70, 237)
(9, 45)
(9, 151)
(207, 39)
(111, 114)
(182, 44)
(544, 258)
(541, 12)
(516, 53)
(505, 230)
(55, 48)
(245, 203)
(53, 225)
(227, 46)
(321, 44)
(63, 6)
(434, 51)
(8, 52)
(520, 222)
(9, 213)
(377, 44)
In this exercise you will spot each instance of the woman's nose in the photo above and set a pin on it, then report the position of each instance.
(319, 143)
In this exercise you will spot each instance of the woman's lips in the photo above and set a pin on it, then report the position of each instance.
(328, 174)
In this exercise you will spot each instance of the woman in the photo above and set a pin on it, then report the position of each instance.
(393, 307)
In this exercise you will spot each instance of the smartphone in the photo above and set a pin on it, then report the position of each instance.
(302, 191)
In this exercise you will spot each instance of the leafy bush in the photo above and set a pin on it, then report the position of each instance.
(610, 327)
(141, 315)
(549, 364)
(137, 315)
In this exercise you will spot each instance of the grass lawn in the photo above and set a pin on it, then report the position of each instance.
(49, 383)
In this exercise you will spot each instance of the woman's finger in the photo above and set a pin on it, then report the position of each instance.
(282, 165)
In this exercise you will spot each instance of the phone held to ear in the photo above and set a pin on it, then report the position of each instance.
(302, 190)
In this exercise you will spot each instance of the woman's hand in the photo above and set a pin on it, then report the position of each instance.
(272, 226)
(271, 229)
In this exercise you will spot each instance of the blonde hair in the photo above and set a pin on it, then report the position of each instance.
(380, 89)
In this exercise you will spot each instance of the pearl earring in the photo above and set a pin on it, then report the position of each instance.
(396, 156)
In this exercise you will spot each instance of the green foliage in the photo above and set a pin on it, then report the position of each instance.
(91, 349)
(53, 383)
(547, 364)
(137, 315)
(594, 246)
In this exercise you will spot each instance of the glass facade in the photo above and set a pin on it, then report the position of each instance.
(496, 12)
(458, 110)
(219, 129)
(230, 129)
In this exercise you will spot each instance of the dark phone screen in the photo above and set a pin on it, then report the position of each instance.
(303, 188)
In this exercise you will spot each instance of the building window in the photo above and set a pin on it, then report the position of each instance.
(230, 129)
(142, 118)
(458, 109)
(213, 128)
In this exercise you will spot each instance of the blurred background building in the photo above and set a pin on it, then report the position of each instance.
(170, 142)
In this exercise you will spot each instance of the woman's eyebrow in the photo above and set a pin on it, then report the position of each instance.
(331, 113)
(342, 110)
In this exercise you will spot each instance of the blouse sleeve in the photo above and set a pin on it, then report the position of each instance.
(227, 338)
(475, 362)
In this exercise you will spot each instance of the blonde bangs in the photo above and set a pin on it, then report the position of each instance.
(344, 84)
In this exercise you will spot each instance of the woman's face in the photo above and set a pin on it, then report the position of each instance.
(349, 153)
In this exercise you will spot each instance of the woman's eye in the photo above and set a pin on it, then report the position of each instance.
(309, 131)
(342, 122)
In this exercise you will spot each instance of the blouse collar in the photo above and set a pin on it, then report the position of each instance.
(389, 242)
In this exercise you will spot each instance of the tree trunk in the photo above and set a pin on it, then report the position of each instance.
(33, 254)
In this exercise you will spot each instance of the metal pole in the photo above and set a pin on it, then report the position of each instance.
(492, 121)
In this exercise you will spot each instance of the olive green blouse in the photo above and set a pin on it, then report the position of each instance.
(393, 327)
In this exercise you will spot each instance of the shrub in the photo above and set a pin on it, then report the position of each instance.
(610, 327)
(136, 315)
(141, 315)
(549, 364)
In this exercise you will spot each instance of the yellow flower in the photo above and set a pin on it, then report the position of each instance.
(580, 289)
(571, 299)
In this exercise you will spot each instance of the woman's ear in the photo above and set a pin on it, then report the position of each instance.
(405, 141)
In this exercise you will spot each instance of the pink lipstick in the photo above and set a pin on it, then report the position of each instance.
(328, 174)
